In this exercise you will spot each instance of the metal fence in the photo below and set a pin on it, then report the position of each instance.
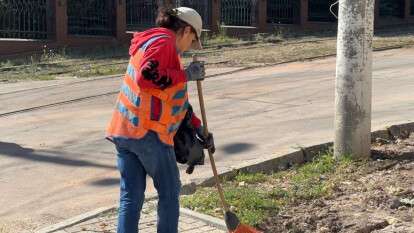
(26, 19)
(203, 7)
(412, 7)
(283, 11)
(141, 13)
(319, 10)
(238, 12)
(91, 17)
(392, 8)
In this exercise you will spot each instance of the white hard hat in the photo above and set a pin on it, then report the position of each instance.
(193, 18)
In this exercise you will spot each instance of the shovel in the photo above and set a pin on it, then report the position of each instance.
(232, 222)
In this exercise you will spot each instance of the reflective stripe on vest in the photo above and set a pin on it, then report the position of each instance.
(127, 114)
(132, 115)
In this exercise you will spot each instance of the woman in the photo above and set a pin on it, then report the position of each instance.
(151, 106)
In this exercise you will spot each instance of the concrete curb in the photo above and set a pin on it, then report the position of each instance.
(300, 156)
(83, 217)
(209, 220)
(76, 220)
(279, 163)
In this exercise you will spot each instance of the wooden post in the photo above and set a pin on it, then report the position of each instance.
(61, 21)
(377, 13)
(261, 23)
(215, 15)
(304, 13)
(407, 12)
(50, 16)
(121, 21)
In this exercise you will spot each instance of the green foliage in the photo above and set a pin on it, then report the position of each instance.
(269, 38)
(262, 194)
(250, 205)
(99, 70)
(45, 77)
(205, 200)
(279, 193)
(313, 180)
(86, 62)
(220, 38)
(251, 178)
(6, 63)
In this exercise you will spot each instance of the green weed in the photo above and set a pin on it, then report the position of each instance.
(251, 178)
(251, 205)
(265, 194)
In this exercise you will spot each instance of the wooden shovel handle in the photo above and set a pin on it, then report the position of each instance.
(210, 155)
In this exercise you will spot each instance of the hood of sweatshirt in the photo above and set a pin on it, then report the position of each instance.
(141, 37)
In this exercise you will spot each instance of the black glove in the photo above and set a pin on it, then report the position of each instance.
(196, 157)
(163, 82)
(206, 142)
(195, 71)
(150, 72)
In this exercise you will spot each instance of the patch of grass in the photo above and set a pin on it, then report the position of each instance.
(251, 205)
(314, 180)
(6, 63)
(262, 195)
(251, 178)
(220, 40)
(85, 62)
(99, 70)
(13, 62)
(46, 77)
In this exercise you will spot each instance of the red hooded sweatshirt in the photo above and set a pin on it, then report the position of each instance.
(160, 46)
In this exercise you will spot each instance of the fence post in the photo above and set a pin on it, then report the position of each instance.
(262, 15)
(215, 15)
(407, 12)
(50, 15)
(304, 12)
(61, 21)
(377, 13)
(121, 24)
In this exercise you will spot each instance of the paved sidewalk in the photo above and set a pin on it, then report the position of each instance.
(106, 223)
(255, 115)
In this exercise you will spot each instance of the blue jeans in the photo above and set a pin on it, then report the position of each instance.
(136, 159)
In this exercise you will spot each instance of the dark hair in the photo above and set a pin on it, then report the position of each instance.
(167, 18)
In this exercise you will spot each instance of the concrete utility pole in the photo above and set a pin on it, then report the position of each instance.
(354, 78)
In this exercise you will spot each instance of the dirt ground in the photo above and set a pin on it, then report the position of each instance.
(378, 200)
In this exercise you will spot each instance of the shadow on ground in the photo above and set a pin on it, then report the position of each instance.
(105, 182)
(44, 156)
(235, 148)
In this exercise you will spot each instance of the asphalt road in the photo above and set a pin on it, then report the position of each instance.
(55, 164)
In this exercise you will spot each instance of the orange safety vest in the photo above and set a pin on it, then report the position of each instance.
(132, 115)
